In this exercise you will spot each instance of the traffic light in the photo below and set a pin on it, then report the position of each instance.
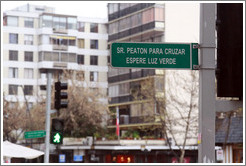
(229, 71)
(56, 136)
(60, 95)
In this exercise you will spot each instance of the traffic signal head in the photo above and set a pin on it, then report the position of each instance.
(56, 136)
(60, 95)
(229, 71)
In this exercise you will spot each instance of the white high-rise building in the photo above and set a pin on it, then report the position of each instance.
(35, 39)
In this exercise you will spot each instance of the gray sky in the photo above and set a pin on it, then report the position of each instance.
(96, 9)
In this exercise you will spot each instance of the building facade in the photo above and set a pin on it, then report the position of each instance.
(35, 40)
(134, 22)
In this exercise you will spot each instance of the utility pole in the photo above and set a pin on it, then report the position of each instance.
(206, 139)
(47, 122)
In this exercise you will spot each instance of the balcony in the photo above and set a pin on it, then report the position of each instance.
(145, 30)
(60, 47)
(127, 120)
(57, 30)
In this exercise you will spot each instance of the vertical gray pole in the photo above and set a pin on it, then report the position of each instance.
(206, 147)
(47, 122)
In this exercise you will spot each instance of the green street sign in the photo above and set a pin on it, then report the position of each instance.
(34, 134)
(154, 55)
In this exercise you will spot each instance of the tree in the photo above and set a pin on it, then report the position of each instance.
(86, 110)
(177, 106)
(14, 118)
(17, 119)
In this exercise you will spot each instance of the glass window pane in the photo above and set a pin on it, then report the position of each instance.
(80, 59)
(94, 44)
(28, 22)
(47, 56)
(55, 56)
(28, 89)
(93, 60)
(148, 16)
(29, 56)
(13, 72)
(72, 21)
(94, 27)
(81, 43)
(72, 57)
(13, 55)
(13, 89)
(64, 57)
(81, 26)
(28, 73)
(12, 21)
(47, 21)
(13, 38)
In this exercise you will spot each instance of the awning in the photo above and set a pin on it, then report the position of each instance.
(17, 151)
(63, 37)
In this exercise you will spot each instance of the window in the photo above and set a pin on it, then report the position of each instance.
(13, 72)
(71, 42)
(94, 44)
(113, 91)
(13, 89)
(46, 21)
(71, 22)
(28, 22)
(93, 60)
(59, 22)
(64, 57)
(55, 56)
(125, 24)
(28, 56)
(80, 59)
(93, 76)
(28, 90)
(113, 27)
(81, 43)
(148, 16)
(94, 27)
(136, 19)
(159, 14)
(12, 21)
(47, 56)
(80, 75)
(81, 26)
(28, 39)
(13, 38)
(28, 73)
(13, 55)
(72, 57)
(124, 89)
(113, 7)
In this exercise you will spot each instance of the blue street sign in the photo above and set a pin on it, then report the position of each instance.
(77, 158)
(62, 158)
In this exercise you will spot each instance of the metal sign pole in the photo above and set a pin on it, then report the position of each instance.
(206, 138)
(47, 122)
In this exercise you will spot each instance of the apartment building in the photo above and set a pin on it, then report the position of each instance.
(36, 39)
(135, 22)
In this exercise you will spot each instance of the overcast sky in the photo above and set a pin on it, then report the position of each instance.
(96, 9)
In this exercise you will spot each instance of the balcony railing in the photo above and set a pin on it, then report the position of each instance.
(57, 30)
(60, 47)
(125, 119)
